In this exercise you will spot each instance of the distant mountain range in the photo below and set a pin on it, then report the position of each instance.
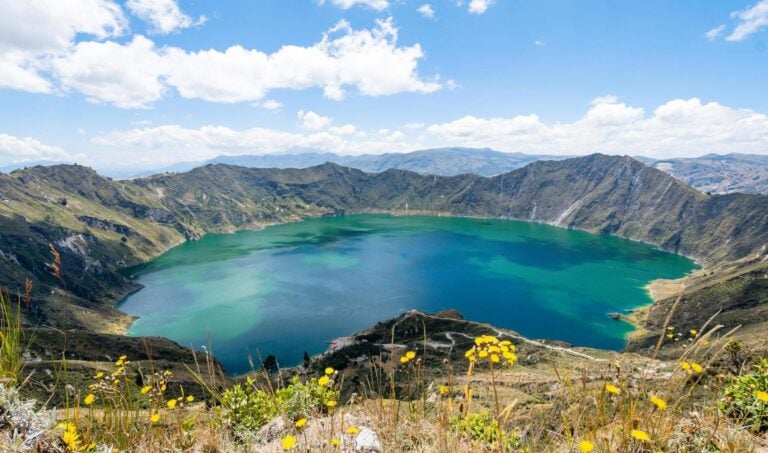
(436, 161)
(712, 173)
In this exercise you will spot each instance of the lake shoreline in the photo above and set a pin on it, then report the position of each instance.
(401, 213)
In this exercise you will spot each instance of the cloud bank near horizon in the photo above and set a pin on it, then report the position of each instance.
(677, 128)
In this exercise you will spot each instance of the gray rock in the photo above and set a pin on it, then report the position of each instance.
(367, 441)
(271, 430)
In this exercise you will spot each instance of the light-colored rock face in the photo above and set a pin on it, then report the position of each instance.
(367, 441)
(272, 430)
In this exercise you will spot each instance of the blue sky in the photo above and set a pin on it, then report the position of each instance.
(142, 83)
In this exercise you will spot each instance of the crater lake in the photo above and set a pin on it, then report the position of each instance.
(293, 288)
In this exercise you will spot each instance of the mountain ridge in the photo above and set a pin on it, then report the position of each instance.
(101, 226)
(713, 173)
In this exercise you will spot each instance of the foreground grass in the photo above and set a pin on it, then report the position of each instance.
(710, 398)
(690, 405)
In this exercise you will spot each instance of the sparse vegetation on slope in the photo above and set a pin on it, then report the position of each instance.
(416, 392)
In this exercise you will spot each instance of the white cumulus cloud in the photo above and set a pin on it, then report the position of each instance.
(311, 121)
(480, 6)
(680, 127)
(677, 128)
(271, 104)
(137, 73)
(173, 143)
(125, 75)
(33, 31)
(15, 150)
(164, 16)
(751, 20)
(426, 11)
(378, 5)
(715, 32)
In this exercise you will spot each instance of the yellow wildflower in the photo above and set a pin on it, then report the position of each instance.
(640, 435)
(762, 396)
(586, 446)
(336, 442)
(301, 422)
(352, 430)
(289, 442)
(331, 403)
(658, 402)
(329, 371)
(483, 353)
(154, 418)
(443, 389)
(610, 388)
(71, 438)
(495, 358)
(167, 373)
(411, 355)
(696, 368)
(685, 365)
(694, 332)
(404, 360)
(89, 399)
(323, 381)
(99, 375)
(190, 398)
(171, 404)
(145, 389)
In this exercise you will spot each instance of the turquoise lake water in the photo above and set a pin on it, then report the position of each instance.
(292, 288)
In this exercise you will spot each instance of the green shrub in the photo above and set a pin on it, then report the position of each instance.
(484, 428)
(303, 400)
(246, 408)
(741, 400)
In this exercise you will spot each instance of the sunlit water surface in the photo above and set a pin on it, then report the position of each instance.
(292, 288)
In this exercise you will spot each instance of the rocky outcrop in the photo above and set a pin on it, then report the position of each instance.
(106, 225)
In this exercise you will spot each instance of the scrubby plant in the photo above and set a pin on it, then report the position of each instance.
(746, 399)
(484, 428)
(11, 334)
(24, 427)
(246, 407)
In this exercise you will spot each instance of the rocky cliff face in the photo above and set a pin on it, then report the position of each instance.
(100, 225)
(607, 194)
